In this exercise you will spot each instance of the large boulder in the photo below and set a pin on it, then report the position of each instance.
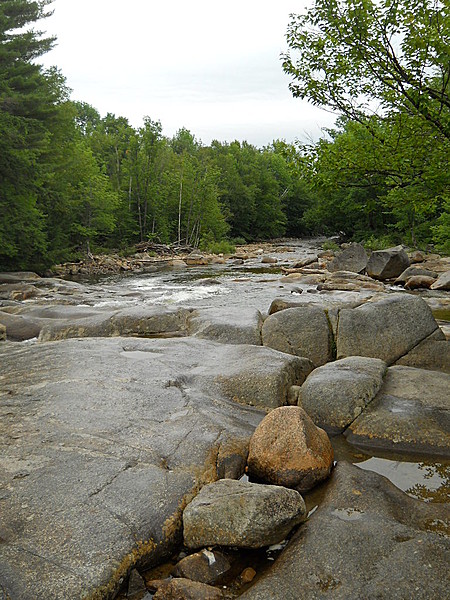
(353, 258)
(409, 414)
(288, 449)
(366, 540)
(231, 326)
(387, 264)
(103, 443)
(335, 394)
(241, 514)
(302, 331)
(385, 329)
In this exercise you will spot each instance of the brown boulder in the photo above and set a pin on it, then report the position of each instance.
(205, 566)
(288, 449)
(417, 282)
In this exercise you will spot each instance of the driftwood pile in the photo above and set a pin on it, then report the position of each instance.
(164, 249)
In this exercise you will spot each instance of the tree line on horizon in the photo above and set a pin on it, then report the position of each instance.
(73, 182)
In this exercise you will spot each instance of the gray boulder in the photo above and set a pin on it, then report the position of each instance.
(387, 264)
(335, 394)
(385, 329)
(302, 331)
(411, 413)
(229, 326)
(442, 282)
(353, 258)
(367, 540)
(241, 514)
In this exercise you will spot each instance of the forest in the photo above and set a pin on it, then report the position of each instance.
(74, 182)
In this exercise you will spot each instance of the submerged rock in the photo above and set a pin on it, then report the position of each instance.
(288, 449)
(335, 394)
(241, 514)
(367, 540)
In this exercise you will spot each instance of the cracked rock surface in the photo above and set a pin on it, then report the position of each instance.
(104, 440)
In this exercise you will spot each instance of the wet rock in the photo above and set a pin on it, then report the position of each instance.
(207, 566)
(302, 331)
(353, 258)
(442, 282)
(247, 575)
(418, 282)
(241, 514)
(184, 589)
(103, 442)
(269, 260)
(433, 353)
(335, 394)
(409, 414)
(238, 325)
(412, 272)
(387, 264)
(288, 449)
(367, 540)
(386, 329)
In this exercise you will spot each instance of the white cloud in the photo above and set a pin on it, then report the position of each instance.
(211, 67)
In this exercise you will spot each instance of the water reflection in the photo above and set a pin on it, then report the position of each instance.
(427, 481)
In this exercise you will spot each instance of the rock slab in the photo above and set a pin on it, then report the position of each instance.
(367, 540)
(411, 413)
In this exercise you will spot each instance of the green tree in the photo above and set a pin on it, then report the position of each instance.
(29, 101)
(357, 56)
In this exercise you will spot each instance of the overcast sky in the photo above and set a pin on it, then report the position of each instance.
(211, 67)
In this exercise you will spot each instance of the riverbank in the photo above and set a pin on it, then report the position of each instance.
(126, 399)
